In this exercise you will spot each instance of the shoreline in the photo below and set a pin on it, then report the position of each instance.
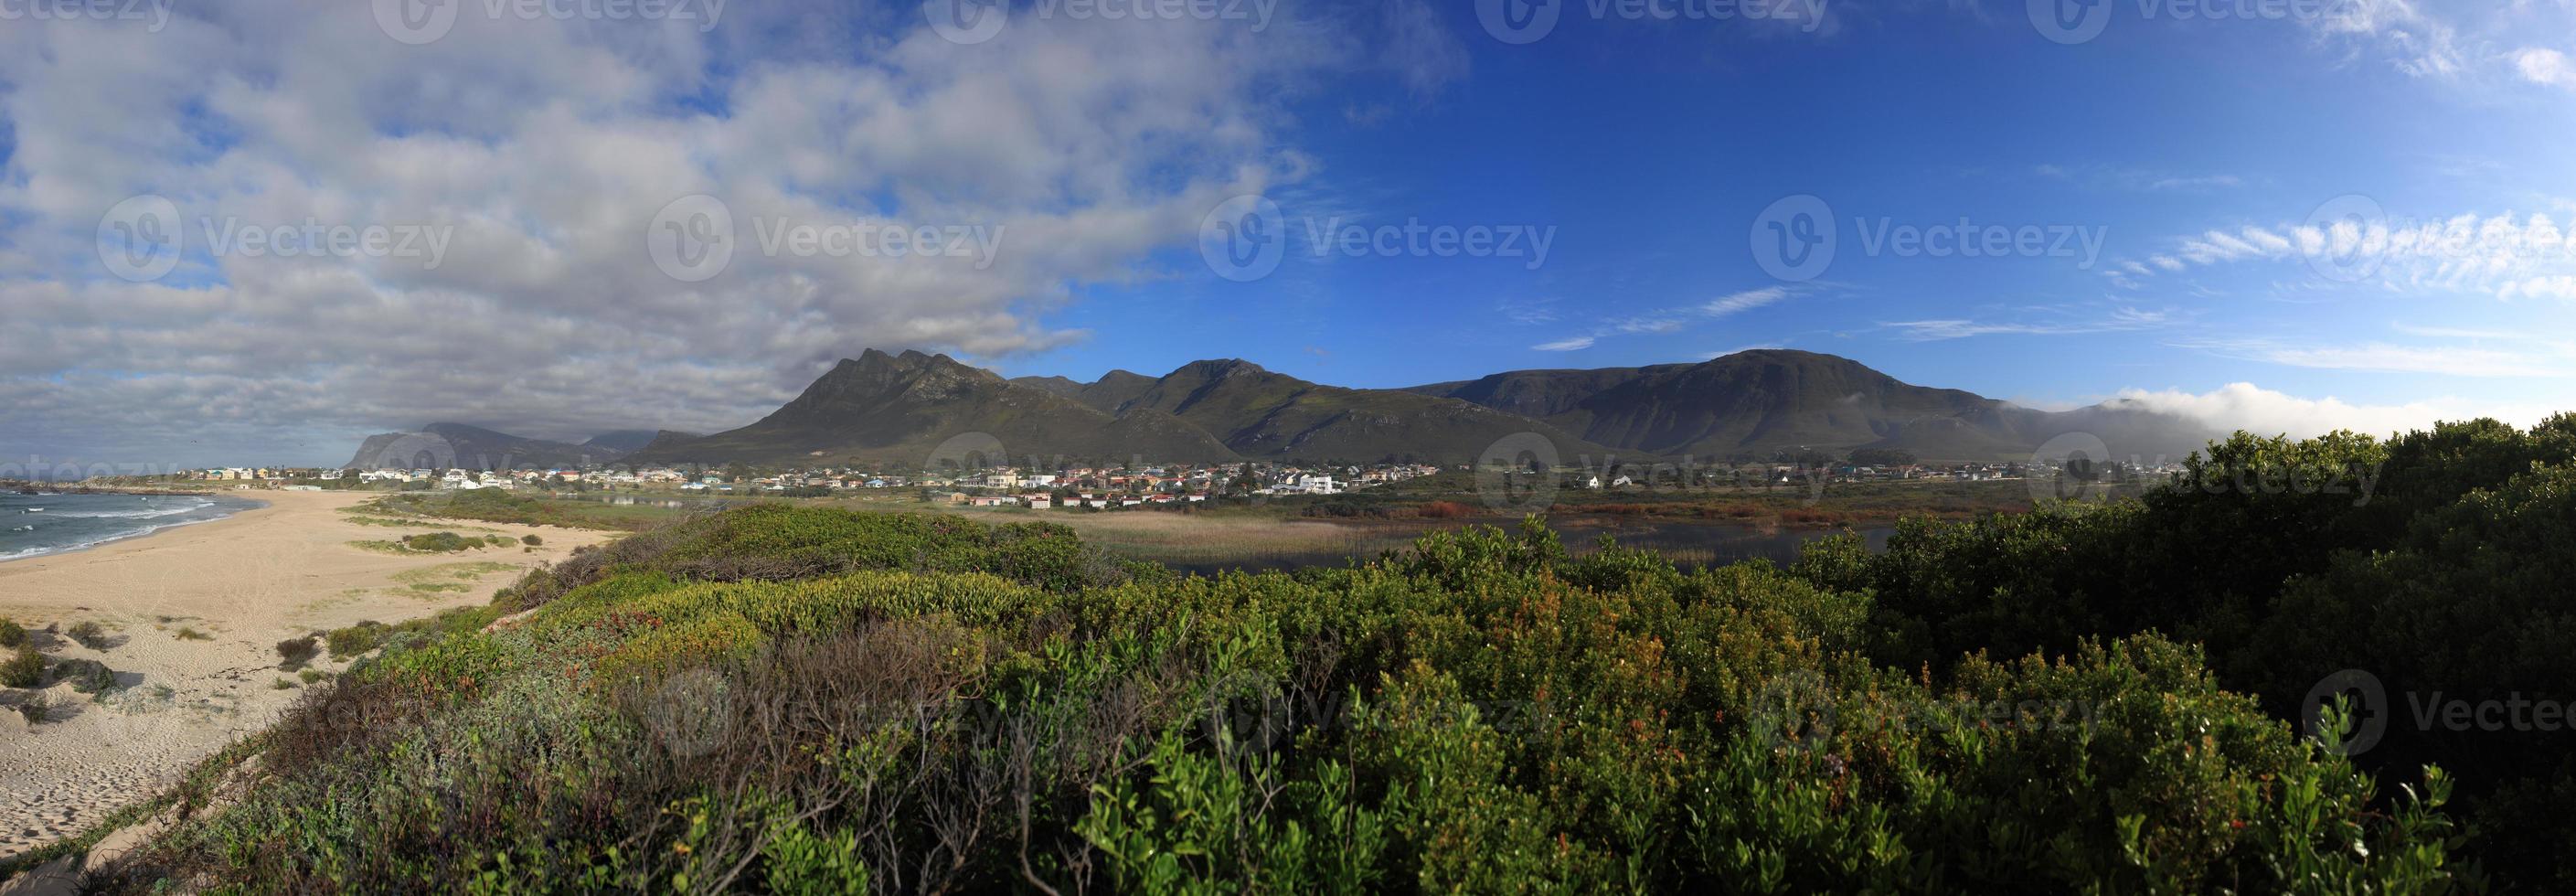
(192, 615)
(41, 553)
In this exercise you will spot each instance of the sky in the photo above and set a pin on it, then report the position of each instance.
(254, 232)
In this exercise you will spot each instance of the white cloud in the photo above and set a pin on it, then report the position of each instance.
(2057, 323)
(546, 148)
(2248, 407)
(1744, 301)
(2384, 357)
(2506, 254)
(1565, 345)
(2544, 66)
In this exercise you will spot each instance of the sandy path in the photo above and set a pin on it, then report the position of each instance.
(248, 581)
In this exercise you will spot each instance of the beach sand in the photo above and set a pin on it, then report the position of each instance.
(248, 582)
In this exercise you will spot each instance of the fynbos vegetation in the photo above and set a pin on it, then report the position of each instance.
(790, 698)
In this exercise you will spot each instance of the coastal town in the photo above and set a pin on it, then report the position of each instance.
(1142, 484)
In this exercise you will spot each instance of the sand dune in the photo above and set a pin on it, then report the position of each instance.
(246, 582)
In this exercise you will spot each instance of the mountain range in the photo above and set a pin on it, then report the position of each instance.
(441, 445)
(913, 407)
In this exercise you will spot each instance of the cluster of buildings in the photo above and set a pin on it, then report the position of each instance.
(1104, 488)
(1071, 486)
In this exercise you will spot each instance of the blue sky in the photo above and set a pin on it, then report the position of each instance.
(2179, 181)
(1652, 147)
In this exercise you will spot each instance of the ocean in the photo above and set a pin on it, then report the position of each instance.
(34, 525)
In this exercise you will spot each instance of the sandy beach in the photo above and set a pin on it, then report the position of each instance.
(235, 587)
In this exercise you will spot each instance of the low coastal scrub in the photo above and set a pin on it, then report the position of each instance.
(89, 634)
(347, 643)
(25, 668)
(803, 699)
(435, 543)
(86, 676)
(297, 651)
(497, 506)
(12, 635)
(449, 542)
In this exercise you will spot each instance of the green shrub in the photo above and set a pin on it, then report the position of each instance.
(774, 699)
(36, 709)
(12, 635)
(440, 543)
(349, 642)
(25, 668)
(86, 676)
(531, 541)
(89, 634)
